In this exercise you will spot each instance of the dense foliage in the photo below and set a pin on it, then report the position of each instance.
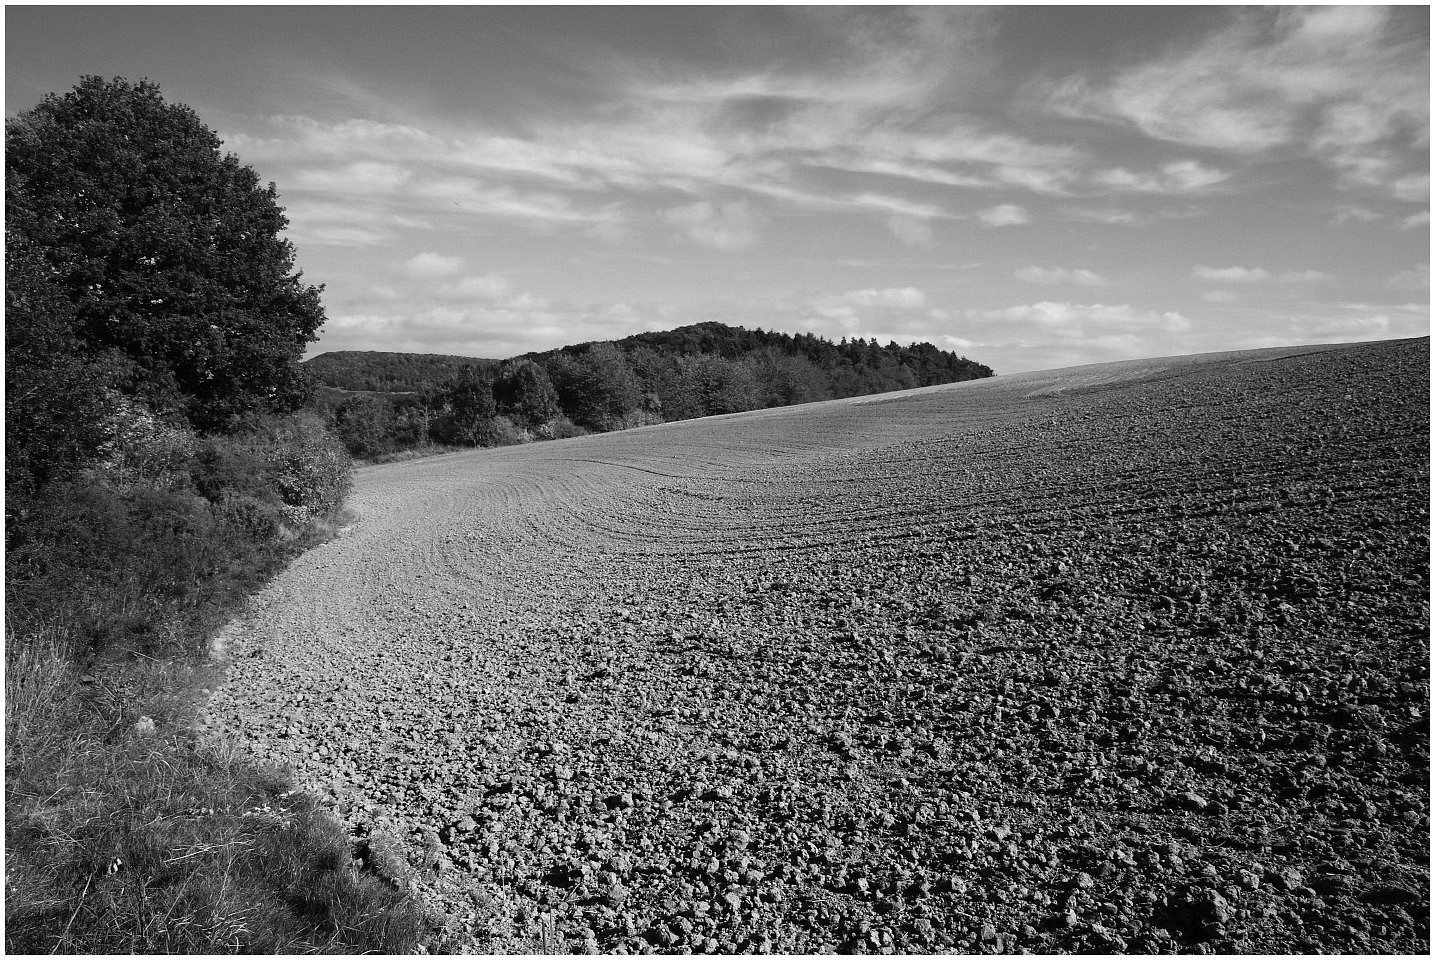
(383, 372)
(158, 468)
(169, 251)
(154, 323)
(694, 371)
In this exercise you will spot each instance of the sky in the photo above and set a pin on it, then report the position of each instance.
(1030, 187)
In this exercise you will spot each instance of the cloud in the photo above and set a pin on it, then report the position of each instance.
(1107, 215)
(1413, 189)
(338, 235)
(905, 298)
(1218, 296)
(359, 177)
(1082, 278)
(1003, 215)
(910, 230)
(1255, 275)
(1354, 213)
(882, 102)
(503, 327)
(1421, 219)
(847, 304)
(723, 226)
(897, 205)
(1075, 320)
(1179, 177)
(485, 287)
(1347, 85)
(610, 231)
(428, 265)
(1342, 322)
(1416, 278)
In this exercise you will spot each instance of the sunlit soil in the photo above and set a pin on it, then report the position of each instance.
(1127, 658)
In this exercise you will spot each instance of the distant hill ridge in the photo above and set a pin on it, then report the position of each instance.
(380, 404)
(380, 371)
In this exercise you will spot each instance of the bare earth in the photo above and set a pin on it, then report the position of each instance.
(1132, 657)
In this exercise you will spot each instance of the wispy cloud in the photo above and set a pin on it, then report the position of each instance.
(1340, 83)
(1255, 275)
(1003, 215)
(485, 287)
(1178, 177)
(1075, 320)
(722, 226)
(841, 305)
(1052, 275)
(428, 265)
(879, 113)
(1106, 215)
(912, 231)
(1416, 278)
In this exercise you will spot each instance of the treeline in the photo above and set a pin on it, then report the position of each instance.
(693, 371)
(384, 372)
(159, 465)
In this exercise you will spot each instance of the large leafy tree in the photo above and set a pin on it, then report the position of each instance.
(596, 385)
(170, 251)
(524, 393)
(468, 409)
(54, 394)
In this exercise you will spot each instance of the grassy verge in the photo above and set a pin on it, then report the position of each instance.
(121, 838)
(127, 830)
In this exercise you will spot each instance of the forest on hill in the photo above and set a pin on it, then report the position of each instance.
(379, 371)
(380, 404)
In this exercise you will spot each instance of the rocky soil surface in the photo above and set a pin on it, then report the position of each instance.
(1127, 658)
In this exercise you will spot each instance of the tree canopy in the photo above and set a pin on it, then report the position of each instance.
(170, 252)
(693, 371)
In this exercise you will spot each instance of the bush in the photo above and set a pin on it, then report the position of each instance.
(560, 428)
(121, 834)
(367, 425)
(311, 469)
(153, 546)
(143, 449)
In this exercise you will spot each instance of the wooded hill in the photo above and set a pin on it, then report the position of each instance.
(693, 371)
(381, 372)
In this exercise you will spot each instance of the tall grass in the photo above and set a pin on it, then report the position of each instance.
(125, 830)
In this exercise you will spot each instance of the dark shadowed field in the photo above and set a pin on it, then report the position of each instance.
(1127, 658)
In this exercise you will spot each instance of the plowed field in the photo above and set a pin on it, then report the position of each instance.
(1126, 658)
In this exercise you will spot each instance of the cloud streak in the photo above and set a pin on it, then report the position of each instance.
(1341, 84)
(1255, 275)
(1054, 275)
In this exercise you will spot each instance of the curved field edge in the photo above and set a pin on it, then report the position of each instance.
(1122, 658)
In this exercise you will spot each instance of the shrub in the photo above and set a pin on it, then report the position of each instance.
(560, 428)
(311, 469)
(144, 449)
(366, 425)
